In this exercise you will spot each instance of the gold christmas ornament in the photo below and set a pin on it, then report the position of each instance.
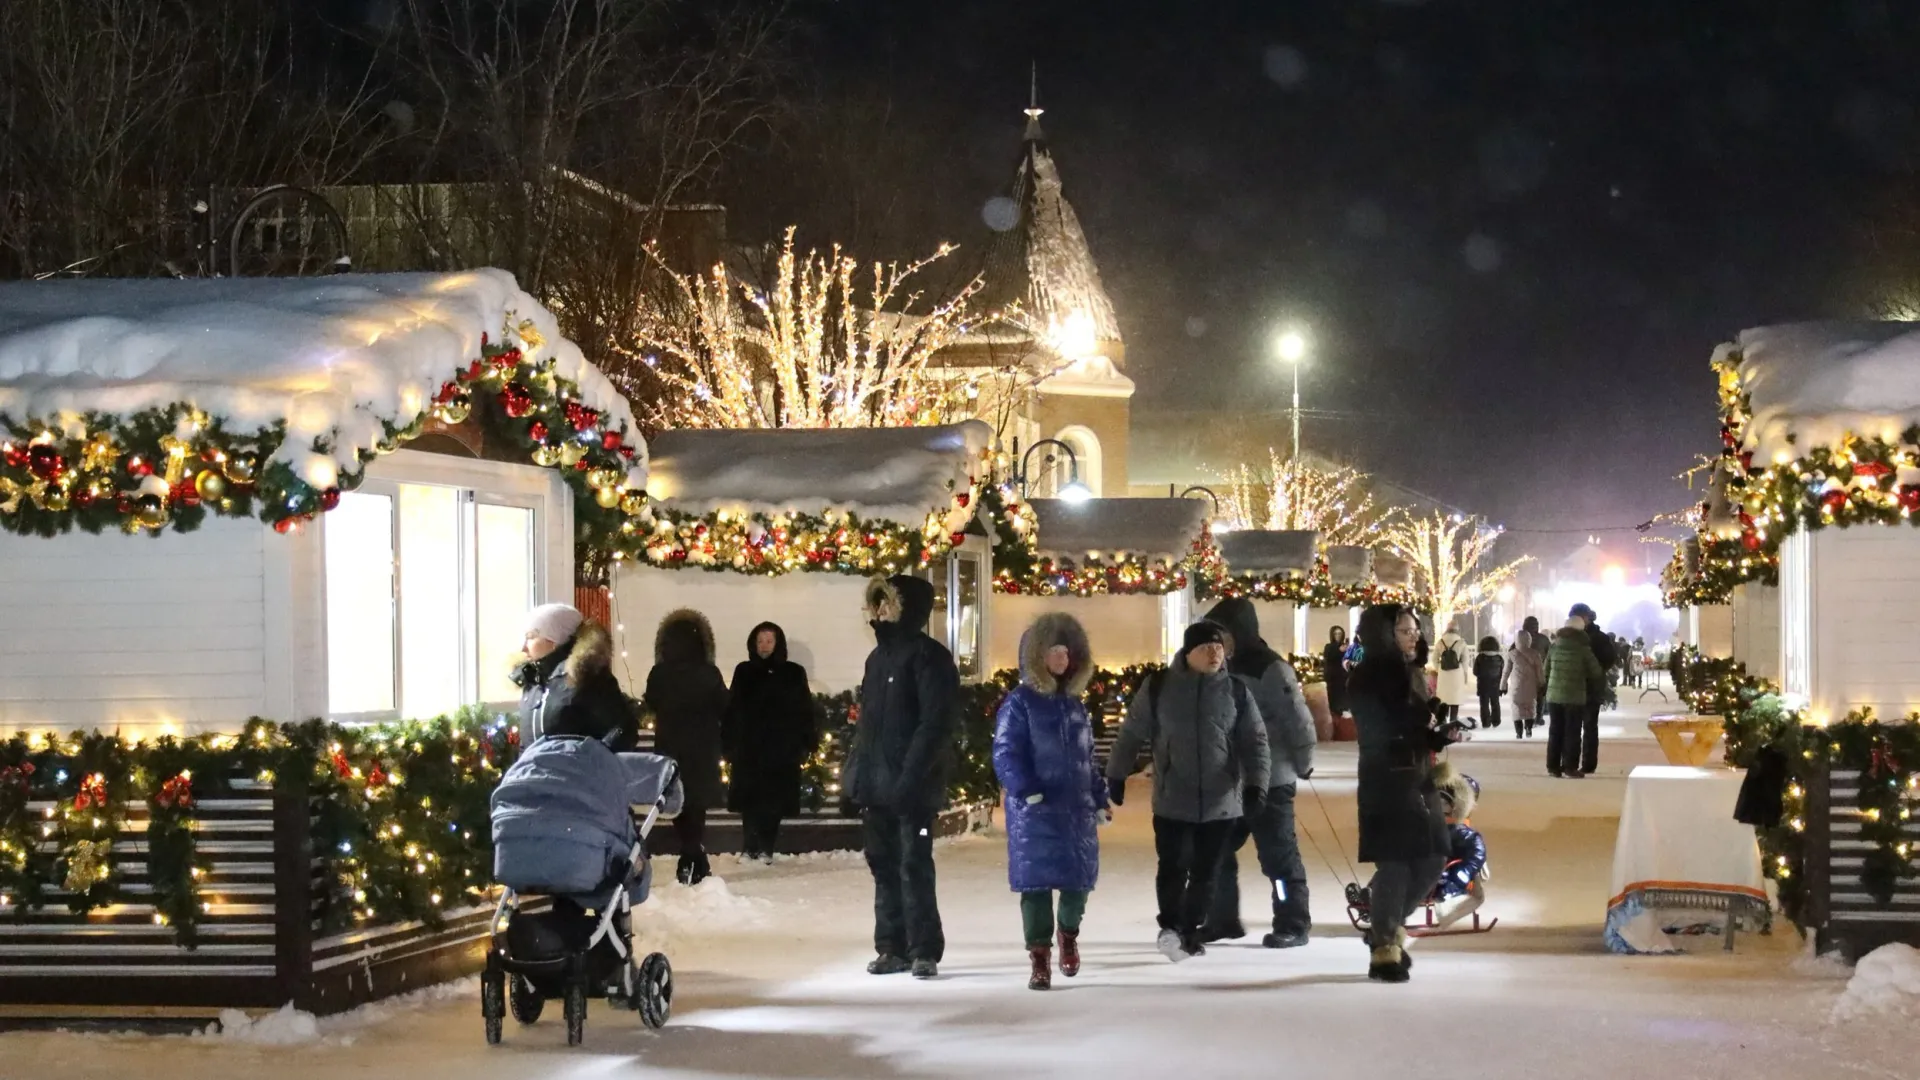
(607, 497)
(455, 411)
(632, 502)
(100, 488)
(53, 499)
(99, 455)
(211, 485)
(88, 865)
(605, 478)
(241, 468)
(546, 455)
(571, 452)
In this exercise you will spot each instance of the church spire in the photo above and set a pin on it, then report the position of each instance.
(1033, 110)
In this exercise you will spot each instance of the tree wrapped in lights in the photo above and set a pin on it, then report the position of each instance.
(816, 350)
(1447, 552)
(1293, 494)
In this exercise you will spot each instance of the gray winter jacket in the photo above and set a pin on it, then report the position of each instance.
(1207, 739)
(1289, 723)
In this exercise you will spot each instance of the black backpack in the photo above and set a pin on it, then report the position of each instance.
(1450, 657)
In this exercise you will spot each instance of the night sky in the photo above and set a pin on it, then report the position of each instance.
(1516, 228)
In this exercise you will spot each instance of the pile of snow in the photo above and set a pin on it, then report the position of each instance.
(292, 1027)
(1815, 965)
(1116, 528)
(331, 358)
(1885, 984)
(707, 908)
(1817, 381)
(1269, 551)
(887, 474)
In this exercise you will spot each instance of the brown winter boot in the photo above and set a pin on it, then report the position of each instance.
(1069, 953)
(1386, 965)
(1042, 978)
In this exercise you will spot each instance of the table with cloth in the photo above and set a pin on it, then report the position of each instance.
(1681, 864)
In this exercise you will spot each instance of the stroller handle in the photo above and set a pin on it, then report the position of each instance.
(666, 789)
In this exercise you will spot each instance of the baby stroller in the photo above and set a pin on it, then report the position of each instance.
(564, 829)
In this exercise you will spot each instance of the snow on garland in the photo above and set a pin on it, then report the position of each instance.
(836, 541)
(118, 422)
(1783, 468)
(1317, 590)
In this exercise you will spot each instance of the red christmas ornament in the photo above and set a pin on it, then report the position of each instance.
(537, 431)
(1746, 460)
(330, 498)
(82, 499)
(513, 736)
(1726, 437)
(610, 441)
(285, 525)
(1834, 500)
(516, 400)
(961, 500)
(507, 360)
(473, 370)
(448, 391)
(582, 465)
(376, 776)
(16, 456)
(1873, 470)
(1910, 497)
(340, 766)
(139, 466)
(45, 462)
(958, 539)
(185, 494)
(123, 503)
(627, 452)
(1750, 541)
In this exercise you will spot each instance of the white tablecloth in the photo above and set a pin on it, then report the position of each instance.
(1681, 863)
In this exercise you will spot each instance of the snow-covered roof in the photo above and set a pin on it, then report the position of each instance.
(1392, 570)
(1269, 551)
(1818, 381)
(1349, 565)
(1142, 528)
(890, 474)
(330, 357)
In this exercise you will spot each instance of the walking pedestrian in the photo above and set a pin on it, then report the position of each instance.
(566, 680)
(1525, 681)
(1055, 796)
(1540, 643)
(896, 772)
(771, 728)
(1290, 741)
(1403, 828)
(1488, 669)
(1210, 768)
(1571, 671)
(1450, 663)
(1333, 667)
(688, 698)
(1598, 690)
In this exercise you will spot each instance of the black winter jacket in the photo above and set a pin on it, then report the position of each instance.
(1488, 668)
(572, 691)
(687, 698)
(770, 729)
(903, 742)
(1401, 816)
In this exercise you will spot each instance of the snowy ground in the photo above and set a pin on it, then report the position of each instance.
(770, 981)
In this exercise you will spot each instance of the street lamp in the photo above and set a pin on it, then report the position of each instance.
(1292, 347)
(1208, 492)
(1074, 491)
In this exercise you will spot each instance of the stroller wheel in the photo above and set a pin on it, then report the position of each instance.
(525, 1000)
(654, 995)
(576, 1008)
(493, 1004)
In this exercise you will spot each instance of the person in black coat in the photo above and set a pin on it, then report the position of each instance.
(1403, 827)
(896, 771)
(566, 681)
(1333, 666)
(688, 698)
(770, 731)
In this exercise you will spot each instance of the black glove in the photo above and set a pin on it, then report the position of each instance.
(1116, 791)
(1308, 775)
(1253, 800)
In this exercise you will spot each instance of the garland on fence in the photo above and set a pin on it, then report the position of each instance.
(1317, 590)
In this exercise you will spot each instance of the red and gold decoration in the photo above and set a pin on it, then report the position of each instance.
(1316, 590)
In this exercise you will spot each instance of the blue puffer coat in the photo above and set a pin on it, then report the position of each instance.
(1043, 745)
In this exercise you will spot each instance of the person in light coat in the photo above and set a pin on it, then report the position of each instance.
(1451, 661)
(1055, 796)
(1525, 683)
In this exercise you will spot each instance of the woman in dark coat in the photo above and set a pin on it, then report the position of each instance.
(770, 731)
(1056, 795)
(1333, 665)
(1403, 827)
(566, 681)
(688, 698)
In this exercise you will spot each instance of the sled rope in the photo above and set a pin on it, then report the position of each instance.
(1352, 874)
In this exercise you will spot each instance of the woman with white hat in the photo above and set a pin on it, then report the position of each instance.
(566, 680)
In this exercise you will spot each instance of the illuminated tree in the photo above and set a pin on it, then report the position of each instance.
(1298, 495)
(1447, 551)
(814, 350)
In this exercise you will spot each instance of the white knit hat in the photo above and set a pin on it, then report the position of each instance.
(555, 622)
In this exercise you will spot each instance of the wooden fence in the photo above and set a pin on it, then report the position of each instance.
(1845, 916)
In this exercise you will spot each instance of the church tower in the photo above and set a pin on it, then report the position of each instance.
(1056, 316)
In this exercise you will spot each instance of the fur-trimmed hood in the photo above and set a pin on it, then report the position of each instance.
(779, 644)
(1056, 628)
(1458, 791)
(589, 651)
(685, 637)
(901, 599)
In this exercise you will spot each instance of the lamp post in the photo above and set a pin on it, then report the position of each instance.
(1074, 491)
(1208, 492)
(1292, 347)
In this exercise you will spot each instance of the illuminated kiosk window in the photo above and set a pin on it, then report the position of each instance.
(1176, 613)
(1796, 617)
(427, 591)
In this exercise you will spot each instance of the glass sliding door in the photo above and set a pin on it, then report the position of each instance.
(434, 677)
(504, 586)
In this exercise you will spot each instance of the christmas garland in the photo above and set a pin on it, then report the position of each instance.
(170, 467)
(1029, 573)
(1317, 590)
